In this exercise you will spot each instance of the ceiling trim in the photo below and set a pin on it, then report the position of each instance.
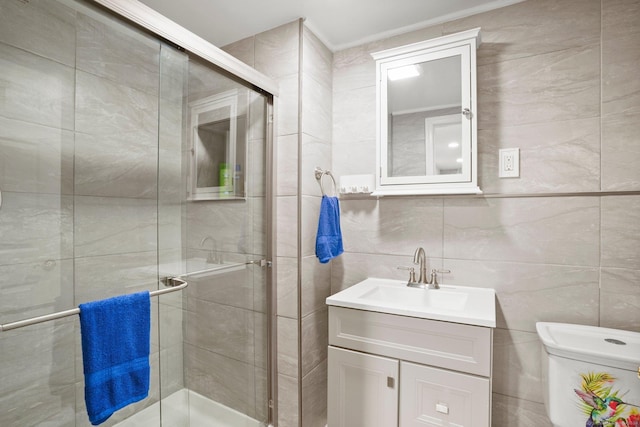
(497, 4)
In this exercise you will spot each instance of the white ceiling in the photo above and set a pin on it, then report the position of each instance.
(338, 23)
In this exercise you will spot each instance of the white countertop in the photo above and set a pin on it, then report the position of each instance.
(458, 304)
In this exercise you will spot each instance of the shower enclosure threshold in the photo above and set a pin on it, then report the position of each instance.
(186, 408)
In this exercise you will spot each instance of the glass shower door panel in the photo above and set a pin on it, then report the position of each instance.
(216, 333)
(78, 175)
(116, 175)
(94, 172)
(36, 226)
(171, 221)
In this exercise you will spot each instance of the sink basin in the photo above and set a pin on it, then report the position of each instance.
(407, 297)
(459, 304)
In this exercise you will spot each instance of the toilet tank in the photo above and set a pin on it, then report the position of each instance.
(591, 375)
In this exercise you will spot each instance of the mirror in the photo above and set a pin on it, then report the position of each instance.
(425, 126)
(426, 122)
(218, 148)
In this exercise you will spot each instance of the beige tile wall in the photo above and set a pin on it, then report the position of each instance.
(556, 80)
(316, 278)
(276, 54)
(301, 139)
(620, 95)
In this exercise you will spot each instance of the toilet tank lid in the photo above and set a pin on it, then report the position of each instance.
(609, 347)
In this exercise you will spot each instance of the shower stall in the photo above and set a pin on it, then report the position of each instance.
(127, 158)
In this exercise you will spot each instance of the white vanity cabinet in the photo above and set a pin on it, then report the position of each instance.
(388, 370)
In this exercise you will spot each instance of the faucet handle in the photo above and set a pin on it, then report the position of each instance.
(412, 273)
(433, 279)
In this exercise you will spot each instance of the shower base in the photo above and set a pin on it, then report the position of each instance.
(186, 408)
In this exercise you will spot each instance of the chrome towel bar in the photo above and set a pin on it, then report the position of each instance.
(174, 284)
(220, 268)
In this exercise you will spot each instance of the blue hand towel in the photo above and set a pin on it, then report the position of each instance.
(115, 353)
(329, 237)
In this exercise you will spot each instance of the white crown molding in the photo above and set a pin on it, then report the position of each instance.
(417, 26)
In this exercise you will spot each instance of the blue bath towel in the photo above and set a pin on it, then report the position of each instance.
(329, 237)
(115, 353)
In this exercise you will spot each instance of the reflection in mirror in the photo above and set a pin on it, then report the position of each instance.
(423, 105)
(444, 153)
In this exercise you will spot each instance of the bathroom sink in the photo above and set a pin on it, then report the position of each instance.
(408, 297)
(458, 304)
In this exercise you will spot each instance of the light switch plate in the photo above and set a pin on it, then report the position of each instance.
(509, 163)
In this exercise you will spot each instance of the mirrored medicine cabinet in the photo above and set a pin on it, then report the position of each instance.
(218, 147)
(427, 117)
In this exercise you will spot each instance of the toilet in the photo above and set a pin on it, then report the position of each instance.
(591, 375)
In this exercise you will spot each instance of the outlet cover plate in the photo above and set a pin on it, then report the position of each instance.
(509, 163)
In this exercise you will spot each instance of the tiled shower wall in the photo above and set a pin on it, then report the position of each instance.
(559, 80)
(276, 54)
(298, 60)
(80, 107)
(315, 284)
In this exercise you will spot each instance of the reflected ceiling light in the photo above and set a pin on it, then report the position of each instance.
(459, 160)
(454, 145)
(403, 72)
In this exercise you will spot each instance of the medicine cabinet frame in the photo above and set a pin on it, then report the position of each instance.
(458, 181)
(202, 163)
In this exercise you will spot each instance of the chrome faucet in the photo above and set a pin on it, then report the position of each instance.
(212, 257)
(423, 281)
(419, 258)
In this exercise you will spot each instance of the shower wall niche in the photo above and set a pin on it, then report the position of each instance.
(218, 138)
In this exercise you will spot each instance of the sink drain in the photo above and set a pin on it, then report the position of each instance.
(615, 341)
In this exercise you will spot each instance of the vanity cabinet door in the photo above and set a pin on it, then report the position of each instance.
(437, 397)
(363, 390)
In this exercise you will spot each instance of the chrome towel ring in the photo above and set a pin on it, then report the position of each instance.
(319, 173)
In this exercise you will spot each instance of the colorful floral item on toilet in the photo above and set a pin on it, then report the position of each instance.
(602, 405)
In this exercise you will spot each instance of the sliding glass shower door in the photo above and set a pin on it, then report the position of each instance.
(125, 160)
(212, 233)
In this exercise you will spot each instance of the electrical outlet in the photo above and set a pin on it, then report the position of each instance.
(509, 163)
